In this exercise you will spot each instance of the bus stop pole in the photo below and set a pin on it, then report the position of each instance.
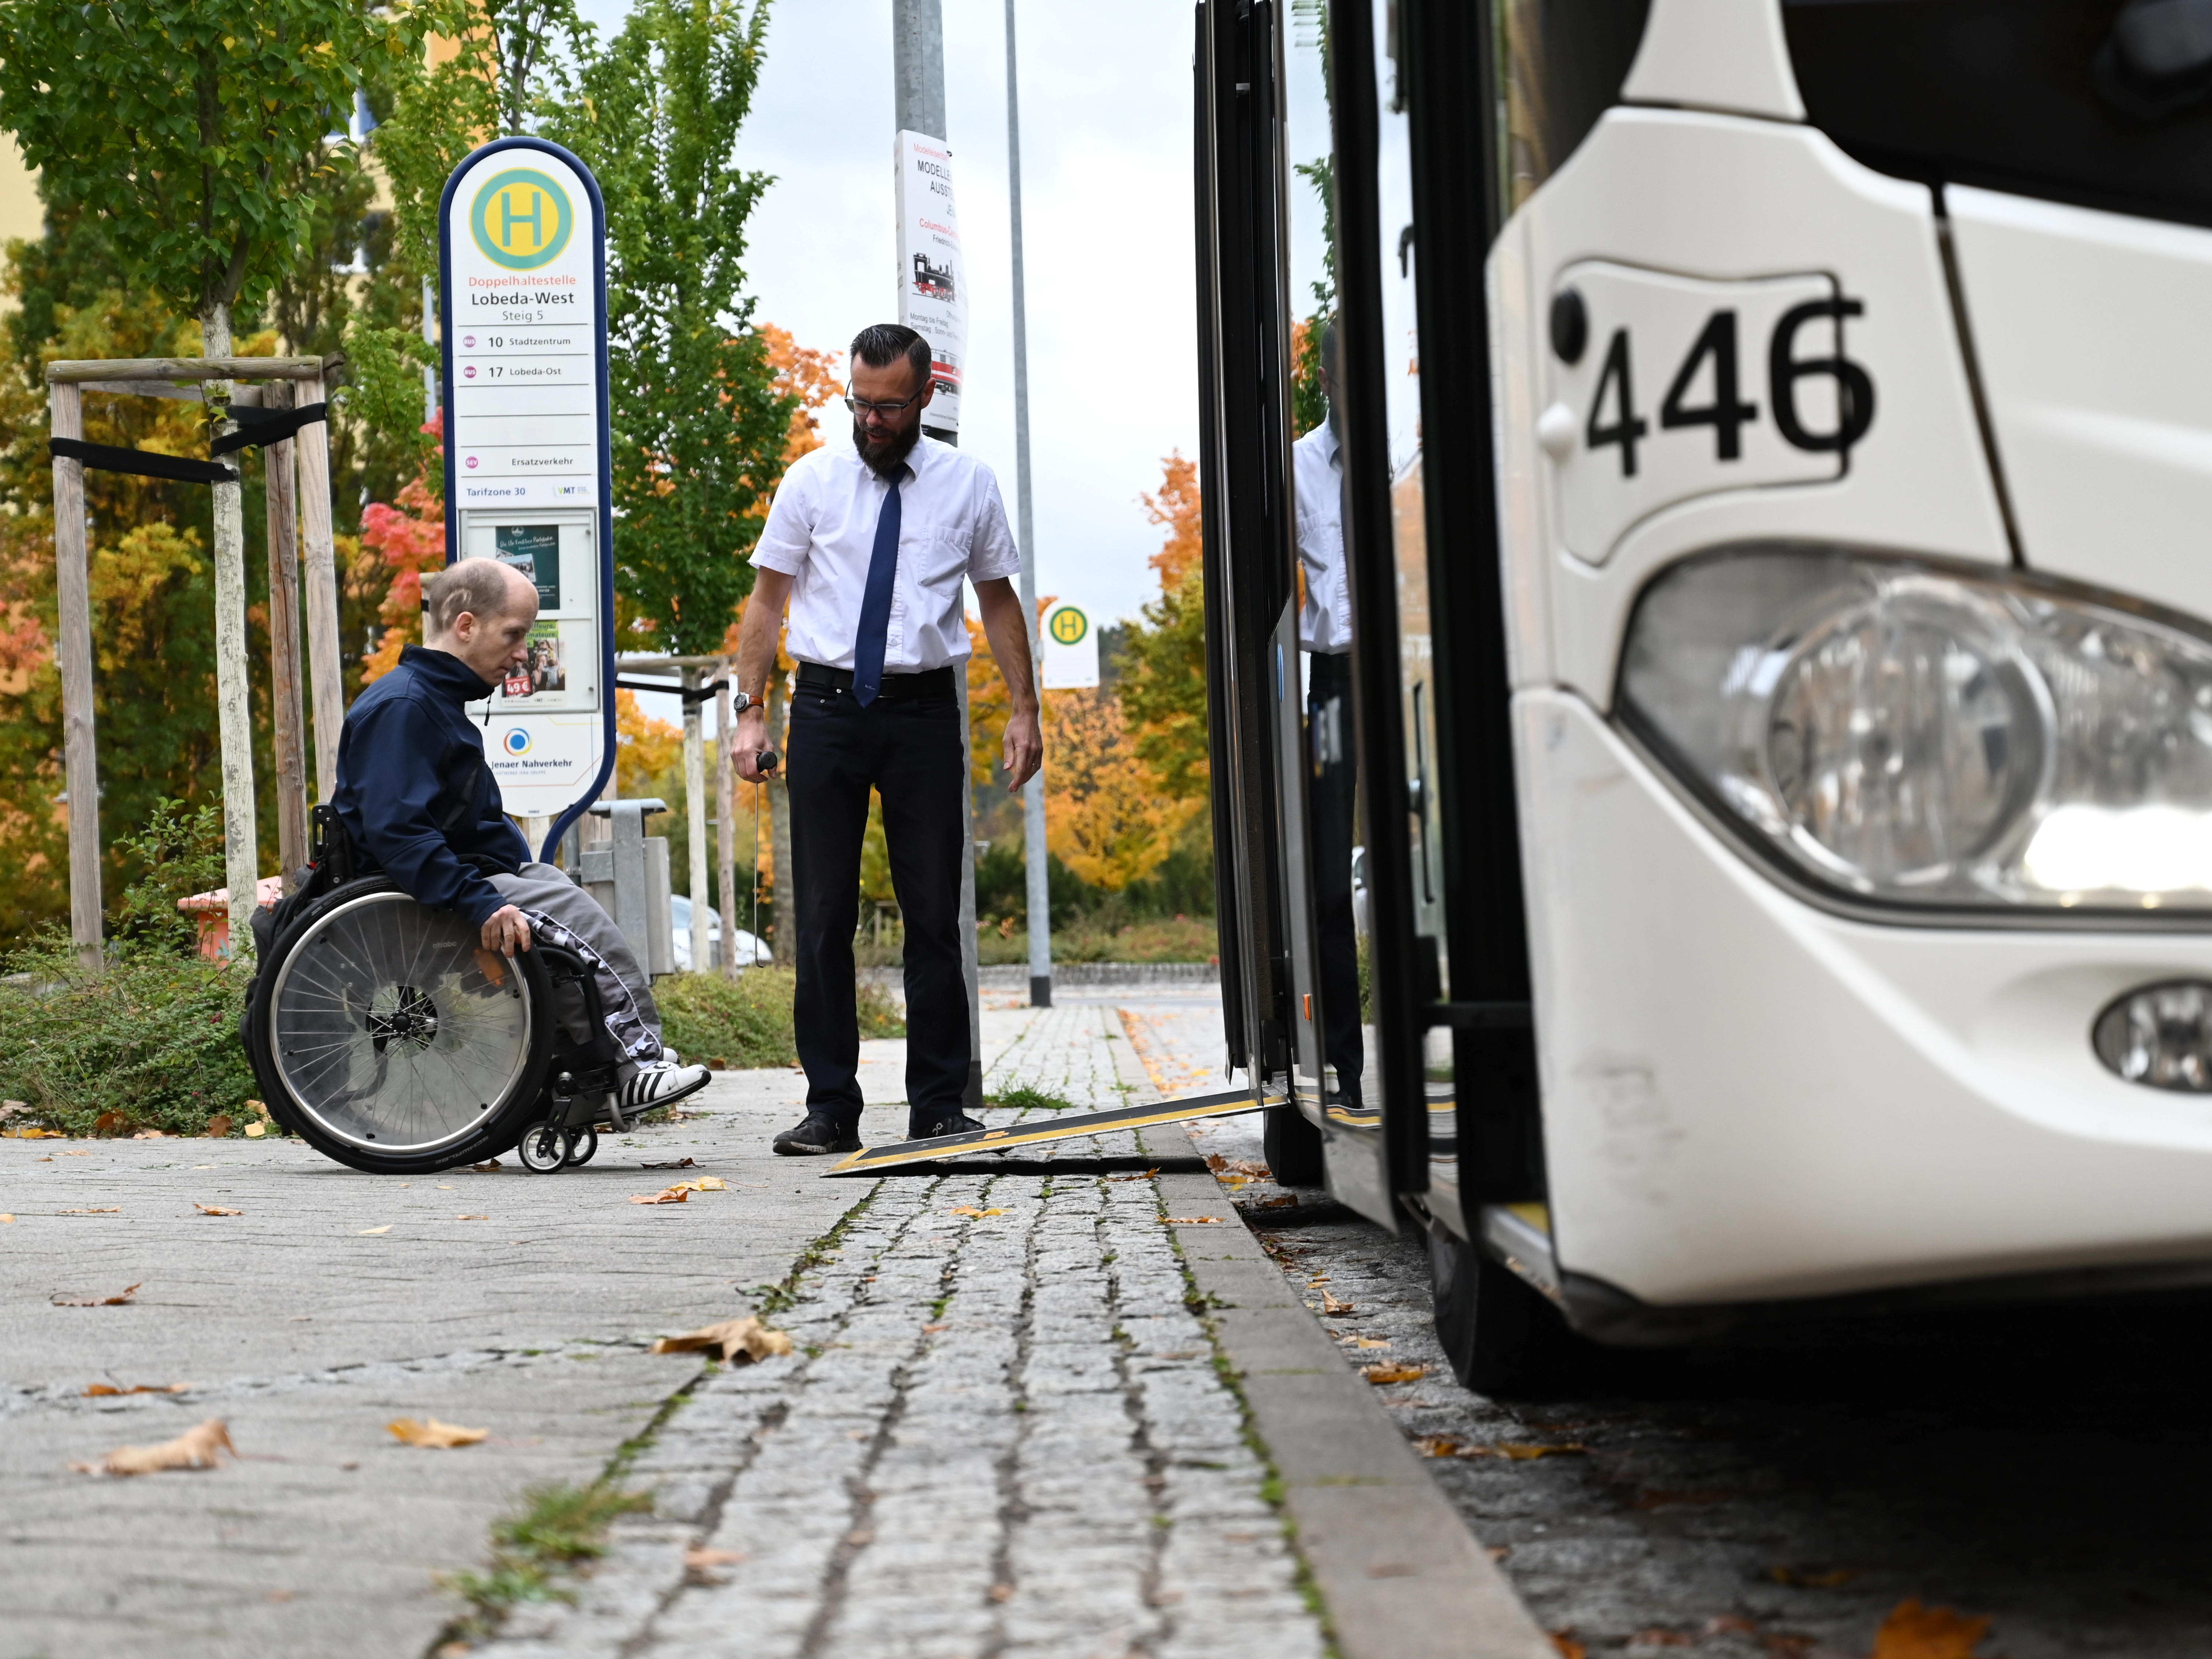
(1034, 850)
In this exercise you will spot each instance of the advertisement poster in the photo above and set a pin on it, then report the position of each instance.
(535, 550)
(932, 277)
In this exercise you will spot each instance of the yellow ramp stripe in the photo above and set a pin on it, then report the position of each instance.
(1061, 1126)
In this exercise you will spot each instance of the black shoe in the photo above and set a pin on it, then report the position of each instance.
(816, 1135)
(959, 1123)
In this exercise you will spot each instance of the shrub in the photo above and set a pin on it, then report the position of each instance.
(746, 1022)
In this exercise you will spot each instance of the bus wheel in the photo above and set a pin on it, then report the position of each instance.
(1293, 1148)
(1503, 1338)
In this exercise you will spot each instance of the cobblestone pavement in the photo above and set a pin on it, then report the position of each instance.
(2044, 1470)
(1003, 1432)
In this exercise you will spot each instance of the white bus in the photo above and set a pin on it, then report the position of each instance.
(1772, 445)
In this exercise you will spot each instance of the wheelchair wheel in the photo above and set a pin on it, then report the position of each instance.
(400, 1045)
(543, 1148)
(583, 1145)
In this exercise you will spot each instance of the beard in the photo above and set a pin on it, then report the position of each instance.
(885, 459)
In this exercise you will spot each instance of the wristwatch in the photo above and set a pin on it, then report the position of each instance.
(741, 700)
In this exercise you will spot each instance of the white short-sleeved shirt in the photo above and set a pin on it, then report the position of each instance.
(822, 531)
(1317, 476)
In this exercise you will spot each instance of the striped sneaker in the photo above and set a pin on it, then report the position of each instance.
(661, 1086)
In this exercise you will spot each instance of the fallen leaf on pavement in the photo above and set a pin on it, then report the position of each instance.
(76, 1154)
(149, 1134)
(673, 1164)
(969, 1209)
(7, 1220)
(736, 1340)
(115, 1301)
(215, 1209)
(1914, 1631)
(699, 1561)
(100, 1390)
(1139, 1175)
(1193, 1221)
(373, 1232)
(485, 1168)
(218, 1126)
(1806, 1578)
(433, 1434)
(1371, 1341)
(1660, 1637)
(705, 1184)
(1330, 1304)
(666, 1196)
(471, 1217)
(1526, 1451)
(106, 1121)
(1385, 1371)
(1437, 1445)
(258, 1109)
(1569, 1647)
(112, 1210)
(255, 1130)
(195, 1449)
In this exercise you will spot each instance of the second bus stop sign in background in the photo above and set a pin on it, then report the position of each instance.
(523, 257)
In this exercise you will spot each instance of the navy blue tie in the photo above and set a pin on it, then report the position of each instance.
(876, 603)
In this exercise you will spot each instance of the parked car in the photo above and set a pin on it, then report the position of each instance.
(750, 949)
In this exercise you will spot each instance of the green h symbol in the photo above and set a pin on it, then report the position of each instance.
(509, 218)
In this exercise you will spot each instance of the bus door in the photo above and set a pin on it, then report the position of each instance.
(1284, 816)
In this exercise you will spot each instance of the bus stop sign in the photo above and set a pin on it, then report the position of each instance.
(522, 260)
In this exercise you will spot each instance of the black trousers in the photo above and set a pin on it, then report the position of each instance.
(1333, 804)
(907, 750)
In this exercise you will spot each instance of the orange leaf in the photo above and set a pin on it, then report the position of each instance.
(1388, 1373)
(218, 1126)
(1194, 1220)
(736, 1340)
(98, 1390)
(195, 1449)
(666, 1195)
(439, 1436)
(115, 1301)
(1569, 1647)
(215, 1209)
(1914, 1631)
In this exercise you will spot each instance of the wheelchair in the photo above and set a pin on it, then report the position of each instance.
(387, 1037)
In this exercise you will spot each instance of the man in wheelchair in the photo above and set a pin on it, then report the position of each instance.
(418, 802)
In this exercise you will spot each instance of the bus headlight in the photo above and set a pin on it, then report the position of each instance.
(1926, 736)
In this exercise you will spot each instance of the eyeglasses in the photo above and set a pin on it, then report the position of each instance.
(863, 408)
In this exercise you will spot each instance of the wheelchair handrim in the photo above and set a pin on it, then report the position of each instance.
(396, 1045)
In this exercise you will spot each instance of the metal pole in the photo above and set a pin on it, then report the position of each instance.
(80, 757)
(918, 82)
(1035, 853)
(725, 833)
(694, 813)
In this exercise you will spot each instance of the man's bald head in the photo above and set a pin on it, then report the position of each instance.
(483, 588)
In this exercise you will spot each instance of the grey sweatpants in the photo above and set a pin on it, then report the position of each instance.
(546, 895)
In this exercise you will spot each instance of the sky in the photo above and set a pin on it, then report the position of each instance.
(1106, 160)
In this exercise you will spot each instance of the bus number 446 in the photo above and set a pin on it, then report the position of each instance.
(1613, 419)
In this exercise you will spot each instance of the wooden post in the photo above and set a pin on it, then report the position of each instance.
(234, 693)
(726, 834)
(287, 720)
(80, 759)
(326, 666)
(695, 811)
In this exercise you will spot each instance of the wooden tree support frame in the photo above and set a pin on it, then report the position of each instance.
(309, 453)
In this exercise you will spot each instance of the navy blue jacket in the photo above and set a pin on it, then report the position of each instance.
(415, 793)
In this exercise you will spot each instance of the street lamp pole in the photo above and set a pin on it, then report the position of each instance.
(1034, 852)
(918, 77)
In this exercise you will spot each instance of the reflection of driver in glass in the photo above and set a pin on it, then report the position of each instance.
(1325, 634)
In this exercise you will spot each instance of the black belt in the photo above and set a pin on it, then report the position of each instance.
(930, 682)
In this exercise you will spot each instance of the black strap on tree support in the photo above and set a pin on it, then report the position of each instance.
(143, 463)
(257, 427)
(265, 425)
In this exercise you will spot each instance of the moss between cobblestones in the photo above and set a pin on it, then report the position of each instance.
(775, 1299)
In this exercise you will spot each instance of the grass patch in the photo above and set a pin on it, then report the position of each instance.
(1174, 938)
(746, 1022)
(555, 1528)
(1024, 1098)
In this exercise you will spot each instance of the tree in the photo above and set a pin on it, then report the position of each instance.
(189, 127)
(700, 426)
(1162, 684)
(1107, 814)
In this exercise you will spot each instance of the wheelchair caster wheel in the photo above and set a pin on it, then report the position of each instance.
(582, 1144)
(543, 1148)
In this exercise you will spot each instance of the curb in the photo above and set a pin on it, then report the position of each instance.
(1401, 1574)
